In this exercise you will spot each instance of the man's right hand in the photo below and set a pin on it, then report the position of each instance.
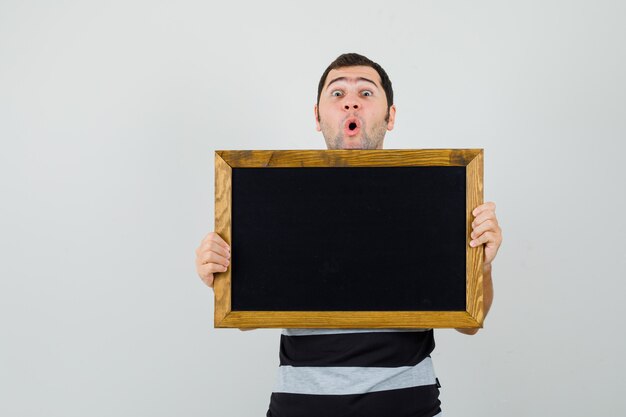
(213, 255)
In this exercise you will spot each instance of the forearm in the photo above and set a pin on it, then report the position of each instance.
(487, 297)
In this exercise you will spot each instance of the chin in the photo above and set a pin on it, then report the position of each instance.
(353, 145)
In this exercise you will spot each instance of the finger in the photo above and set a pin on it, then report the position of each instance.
(488, 225)
(487, 237)
(484, 216)
(485, 206)
(214, 237)
(207, 271)
(206, 277)
(212, 257)
(211, 246)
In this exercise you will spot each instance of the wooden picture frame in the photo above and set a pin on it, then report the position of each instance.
(226, 161)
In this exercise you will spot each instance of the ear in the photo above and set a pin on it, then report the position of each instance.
(317, 119)
(392, 117)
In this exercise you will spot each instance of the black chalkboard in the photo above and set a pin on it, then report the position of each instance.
(356, 239)
(349, 238)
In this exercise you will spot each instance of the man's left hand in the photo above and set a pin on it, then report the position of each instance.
(485, 230)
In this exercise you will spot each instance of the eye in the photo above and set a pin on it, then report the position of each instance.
(366, 93)
(337, 93)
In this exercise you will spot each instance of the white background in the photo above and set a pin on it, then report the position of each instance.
(109, 116)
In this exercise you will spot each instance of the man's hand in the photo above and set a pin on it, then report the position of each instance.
(212, 256)
(485, 230)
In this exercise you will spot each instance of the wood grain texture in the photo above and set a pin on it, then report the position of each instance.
(474, 260)
(223, 199)
(472, 159)
(348, 158)
(349, 319)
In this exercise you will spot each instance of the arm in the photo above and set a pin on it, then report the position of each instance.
(485, 231)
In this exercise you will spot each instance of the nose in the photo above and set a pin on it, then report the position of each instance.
(351, 101)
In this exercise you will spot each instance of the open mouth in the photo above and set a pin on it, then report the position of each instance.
(352, 126)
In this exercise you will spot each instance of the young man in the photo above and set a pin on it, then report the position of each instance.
(330, 372)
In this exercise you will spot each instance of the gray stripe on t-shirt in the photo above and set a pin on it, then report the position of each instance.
(352, 380)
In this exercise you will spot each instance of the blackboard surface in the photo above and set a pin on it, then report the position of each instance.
(349, 239)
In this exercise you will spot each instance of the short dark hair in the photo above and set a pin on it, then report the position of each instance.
(351, 60)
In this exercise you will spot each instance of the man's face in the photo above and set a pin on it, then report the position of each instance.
(353, 108)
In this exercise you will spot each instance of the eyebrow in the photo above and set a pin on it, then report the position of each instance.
(357, 79)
